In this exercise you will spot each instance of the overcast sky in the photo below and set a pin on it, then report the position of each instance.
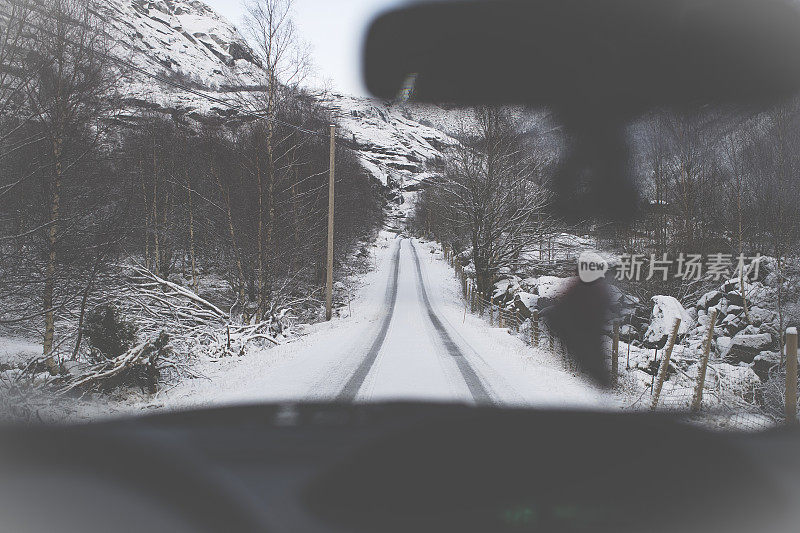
(334, 28)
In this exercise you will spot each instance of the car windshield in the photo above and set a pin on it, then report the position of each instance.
(199, 206)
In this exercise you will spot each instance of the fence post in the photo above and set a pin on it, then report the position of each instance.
(491, 311)
(472, 299)
(697, 400)
(791, 376)
(662, 370)
(535, 328)
(615, 356)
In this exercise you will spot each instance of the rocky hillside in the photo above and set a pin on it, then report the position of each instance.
(395, 147)
(180, 40)
(185, 41)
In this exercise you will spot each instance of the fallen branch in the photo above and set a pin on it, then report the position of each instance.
(184, 292)
(136, 356)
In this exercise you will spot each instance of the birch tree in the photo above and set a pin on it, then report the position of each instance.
(70, 91)
(285, 62)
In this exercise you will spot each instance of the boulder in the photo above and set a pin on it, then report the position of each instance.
(762, 296)
(522, 310)
(525, 303)
(735, 310)
(552, 287)
(731, 285)
(709, 299)
(751, 330)
(759, 315)
(735, 299)
(697, 331)
(732, 324)
(744, 348)
(764, 362)
(767, 266)
(665, 310)
(723, 343)
(771, 329)
(505, 286)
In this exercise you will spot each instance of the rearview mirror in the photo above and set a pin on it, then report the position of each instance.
(596, 64)
(628, 54)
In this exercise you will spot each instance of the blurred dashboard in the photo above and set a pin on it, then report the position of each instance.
(396, 467)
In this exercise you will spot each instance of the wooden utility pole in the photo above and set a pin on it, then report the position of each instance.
(331, 181)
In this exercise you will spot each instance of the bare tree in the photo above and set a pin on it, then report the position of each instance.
(71, 89)
(285, 63)
(776, 165)
(737, 161)
(492, 192)
(14, 77)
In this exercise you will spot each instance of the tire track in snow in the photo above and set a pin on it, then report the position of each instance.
(473, 381)
(351, 388)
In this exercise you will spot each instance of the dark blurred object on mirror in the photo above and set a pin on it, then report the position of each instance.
(596, 63)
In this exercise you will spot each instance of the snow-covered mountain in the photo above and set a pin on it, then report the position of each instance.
(395, 147)
(182, 40)
(187, 42)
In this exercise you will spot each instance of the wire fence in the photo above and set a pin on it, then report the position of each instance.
(682, 377)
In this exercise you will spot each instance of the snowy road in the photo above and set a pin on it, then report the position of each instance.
(418, 358)
(408, 339)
